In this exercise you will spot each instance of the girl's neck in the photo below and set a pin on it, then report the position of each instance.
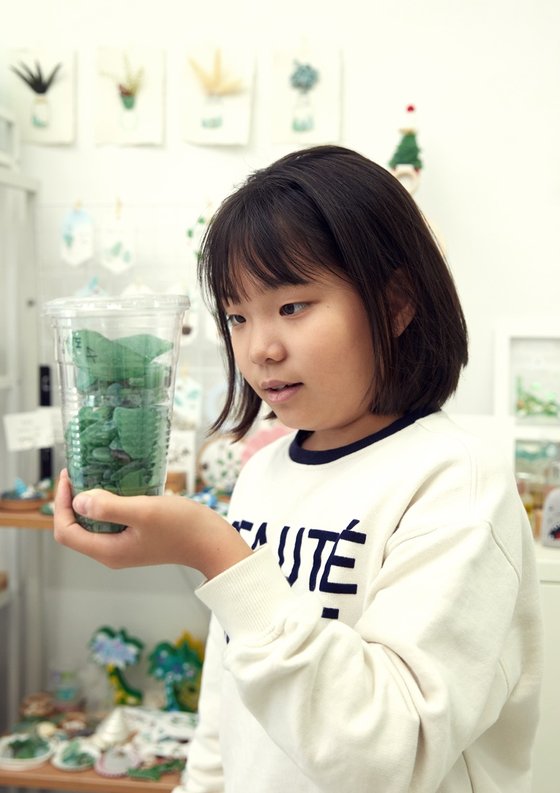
(323, 440)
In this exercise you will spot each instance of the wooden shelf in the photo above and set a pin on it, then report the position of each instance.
(47, 777)
(25, 520)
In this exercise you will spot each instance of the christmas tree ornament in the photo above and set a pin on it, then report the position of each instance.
(405, 162)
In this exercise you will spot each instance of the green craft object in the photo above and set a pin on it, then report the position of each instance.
(124, 693)
(407, 152)
(179, 666)
(156, 771)
(74, 756)
(119, 438)
(116, 650)
(28, 747)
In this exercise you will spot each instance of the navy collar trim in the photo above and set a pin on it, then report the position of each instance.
(307, 457)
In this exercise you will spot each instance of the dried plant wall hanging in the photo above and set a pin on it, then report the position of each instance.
(42, 93)
(129, 96)
(218, 89)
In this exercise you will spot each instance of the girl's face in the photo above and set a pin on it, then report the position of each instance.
(306, 350)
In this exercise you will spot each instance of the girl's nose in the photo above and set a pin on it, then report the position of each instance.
(266, 348)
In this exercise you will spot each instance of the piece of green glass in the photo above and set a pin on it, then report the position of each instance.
(141, 431)
(146, 344)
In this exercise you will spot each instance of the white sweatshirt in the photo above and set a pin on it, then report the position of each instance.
(387, 636)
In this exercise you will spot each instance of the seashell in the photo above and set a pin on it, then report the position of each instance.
(113, 730)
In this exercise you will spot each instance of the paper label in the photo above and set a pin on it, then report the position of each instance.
(31, 430)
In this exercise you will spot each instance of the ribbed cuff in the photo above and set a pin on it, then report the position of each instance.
(247, 597)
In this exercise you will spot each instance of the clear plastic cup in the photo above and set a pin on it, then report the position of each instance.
(117, 360)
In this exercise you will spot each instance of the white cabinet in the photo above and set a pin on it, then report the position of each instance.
(18, 316)
(20, 652)
(546, 778)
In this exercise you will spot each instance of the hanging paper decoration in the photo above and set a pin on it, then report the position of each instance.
(117, 244)
(91, 288)
(77, 237)
(115, 650)
(195, 233)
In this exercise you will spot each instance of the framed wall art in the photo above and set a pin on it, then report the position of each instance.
(42, 89)
(527, 376)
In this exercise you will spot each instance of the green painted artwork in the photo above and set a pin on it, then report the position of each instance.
(118, 438)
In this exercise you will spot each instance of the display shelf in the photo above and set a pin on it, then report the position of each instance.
(526, 431)
(25, 520)
(548, 563)
(47, 777)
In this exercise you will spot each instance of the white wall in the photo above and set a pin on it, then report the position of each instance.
(484, 77)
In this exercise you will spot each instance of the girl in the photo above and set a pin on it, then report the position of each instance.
(375, 608)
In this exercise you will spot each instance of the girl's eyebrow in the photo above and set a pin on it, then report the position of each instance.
(240, 298)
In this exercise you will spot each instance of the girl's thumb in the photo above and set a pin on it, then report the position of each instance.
(102, 505)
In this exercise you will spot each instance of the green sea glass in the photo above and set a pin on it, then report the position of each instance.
(119, 437)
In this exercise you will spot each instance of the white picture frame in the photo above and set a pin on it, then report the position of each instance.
(47, 115)
(305, 95)
(129, 96)
(217, 94)
(527, 376)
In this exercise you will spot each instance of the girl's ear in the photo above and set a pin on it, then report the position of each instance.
(400, 303)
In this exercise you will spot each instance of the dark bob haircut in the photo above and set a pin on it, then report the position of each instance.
(330, 207)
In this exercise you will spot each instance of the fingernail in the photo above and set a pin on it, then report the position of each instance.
(81, 504)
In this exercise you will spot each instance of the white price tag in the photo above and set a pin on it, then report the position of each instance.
(55, 417)
(32, 430)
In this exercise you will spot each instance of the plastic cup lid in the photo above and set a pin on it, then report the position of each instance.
(125, 304)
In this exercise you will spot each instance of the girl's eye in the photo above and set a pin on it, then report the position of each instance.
(234, 319)
(292, 308)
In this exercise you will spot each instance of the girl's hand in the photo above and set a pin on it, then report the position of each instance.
(160, 530)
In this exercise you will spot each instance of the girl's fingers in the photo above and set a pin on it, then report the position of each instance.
(102, 505)
(63, 499)
(160, 530)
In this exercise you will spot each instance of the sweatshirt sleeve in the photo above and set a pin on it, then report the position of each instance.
(204, 773)
(391, 702)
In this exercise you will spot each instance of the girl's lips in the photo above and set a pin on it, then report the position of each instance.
(280, 392)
